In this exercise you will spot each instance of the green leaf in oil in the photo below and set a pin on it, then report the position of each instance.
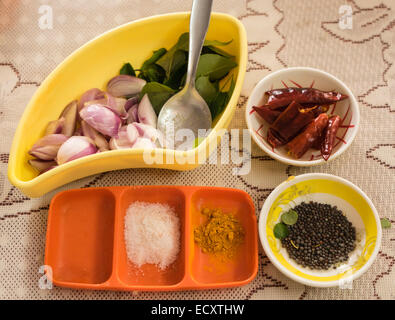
(290, 217)
(280, 231)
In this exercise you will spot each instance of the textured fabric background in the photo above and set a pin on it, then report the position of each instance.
(281, 33)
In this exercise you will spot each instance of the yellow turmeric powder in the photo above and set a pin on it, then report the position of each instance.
(221, 234)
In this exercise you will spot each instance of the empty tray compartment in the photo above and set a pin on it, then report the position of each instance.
(80, 236)
(150, 276)
(211, 270)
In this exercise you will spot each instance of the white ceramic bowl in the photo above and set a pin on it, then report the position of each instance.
(347, 109)
(333, 190)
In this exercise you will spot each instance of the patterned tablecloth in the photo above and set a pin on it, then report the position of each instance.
(281, 33)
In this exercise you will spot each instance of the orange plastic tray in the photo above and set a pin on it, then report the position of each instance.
(85, 239)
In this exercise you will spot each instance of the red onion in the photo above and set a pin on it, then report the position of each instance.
(47, 147)
(96, 137)
(74, 148)
(127, 136)
(132, 133)
(102, 101)
(116, 105)
(41, 165)
(55, 127)
(70, 115)
(144, 143)
(131, 102)
(125, 85)
(102, 119)
(146, 131)
(78, 131)
(92, 94)
(146, 113)
(133, 114)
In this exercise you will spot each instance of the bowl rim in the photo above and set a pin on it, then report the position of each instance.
(295, 162)
(263, 237)
(27, 186)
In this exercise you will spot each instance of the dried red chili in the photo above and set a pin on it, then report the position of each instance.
(284, 96)
(267, 114)
(305, 140)
(329, 136)
(273, 139)
(291, 121)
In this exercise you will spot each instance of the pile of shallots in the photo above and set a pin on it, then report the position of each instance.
(100, 121)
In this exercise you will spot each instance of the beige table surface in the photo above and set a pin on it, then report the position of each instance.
(281, 33)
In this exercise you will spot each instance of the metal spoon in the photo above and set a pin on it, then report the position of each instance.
(187, 109)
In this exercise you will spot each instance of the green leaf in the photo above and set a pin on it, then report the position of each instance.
(280, 231)
(221, 99)
(158, 94)
(218, 104)
(214, 66)
(152, 73)
(215, 50)
(290, 217)
(231, 89)
(156, 55)
(206, 89)
(177, 78)
(183, 42)
(127, 69)
(165, 73)
(385, 223)
(175, 58)
(216, 43)
(172, 61)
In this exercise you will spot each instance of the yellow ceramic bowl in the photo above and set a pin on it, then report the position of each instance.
(333, 190)
(92, 66)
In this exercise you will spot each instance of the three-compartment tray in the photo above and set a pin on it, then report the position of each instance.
(85, 246)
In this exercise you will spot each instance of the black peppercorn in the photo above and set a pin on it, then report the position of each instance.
(321, 238)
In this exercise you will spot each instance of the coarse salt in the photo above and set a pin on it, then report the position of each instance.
(152, 234)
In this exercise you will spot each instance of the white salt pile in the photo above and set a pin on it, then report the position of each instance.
(152, 234)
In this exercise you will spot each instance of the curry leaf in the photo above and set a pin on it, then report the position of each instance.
(214, 66)
(218, 104)
(221, 99)
(280, 231)
(290, 217)
(177, 78)
(127, 69)
(172, 61)
(165, 73)
(231, 89)
(183, 42)
(206, 89)
(156, 55)
(175, 58)
(215, 50)
(216, 43)
(158, 94)
(152, 73)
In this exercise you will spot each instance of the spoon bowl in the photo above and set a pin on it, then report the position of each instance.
(187, 110)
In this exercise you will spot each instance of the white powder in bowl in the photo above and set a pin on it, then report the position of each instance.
(152, 234)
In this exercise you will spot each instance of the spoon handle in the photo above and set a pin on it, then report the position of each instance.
(198, 25)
